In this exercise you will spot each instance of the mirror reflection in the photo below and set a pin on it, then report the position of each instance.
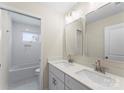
(74, 35)
(105, 32)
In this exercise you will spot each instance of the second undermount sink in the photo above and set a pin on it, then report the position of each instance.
(98, 78)
(64, 64)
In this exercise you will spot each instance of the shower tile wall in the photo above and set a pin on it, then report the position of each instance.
(24, 53)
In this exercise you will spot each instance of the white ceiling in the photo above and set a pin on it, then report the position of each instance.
(61, 7)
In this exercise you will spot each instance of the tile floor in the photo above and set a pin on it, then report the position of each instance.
(30, 84)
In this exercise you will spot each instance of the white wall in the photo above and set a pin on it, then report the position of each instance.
(52, 27)
(4, 48)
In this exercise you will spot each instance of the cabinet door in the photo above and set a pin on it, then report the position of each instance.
(55, 83)
(56, 72)
(73, 84)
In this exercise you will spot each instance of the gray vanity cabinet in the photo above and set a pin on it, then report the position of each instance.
(55, 83)
(58, 80)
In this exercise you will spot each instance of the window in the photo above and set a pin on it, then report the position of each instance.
(29, 37)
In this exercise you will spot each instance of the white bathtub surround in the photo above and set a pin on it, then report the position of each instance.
(23, 73)
(24, 78)
(74, 69)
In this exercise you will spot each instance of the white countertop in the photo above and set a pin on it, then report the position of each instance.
(71, 71)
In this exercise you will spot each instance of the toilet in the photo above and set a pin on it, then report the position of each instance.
(37, 71)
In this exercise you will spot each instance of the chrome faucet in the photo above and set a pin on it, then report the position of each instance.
(70, 60)
(98, 67)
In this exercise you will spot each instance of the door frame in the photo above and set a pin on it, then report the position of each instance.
(12, 9)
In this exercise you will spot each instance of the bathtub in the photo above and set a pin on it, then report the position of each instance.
(20, 74)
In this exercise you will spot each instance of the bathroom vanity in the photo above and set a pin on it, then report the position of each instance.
(73, 76)
(59, 80)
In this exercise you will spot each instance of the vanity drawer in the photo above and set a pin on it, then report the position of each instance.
(56, 72)
(73, 84)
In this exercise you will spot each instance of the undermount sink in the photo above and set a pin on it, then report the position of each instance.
(98, 78)
(64, 64)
